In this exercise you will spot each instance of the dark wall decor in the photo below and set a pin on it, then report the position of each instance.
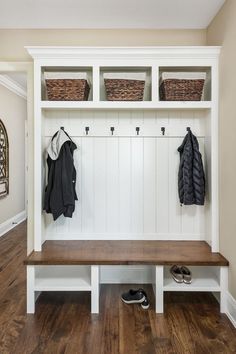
(4, 161)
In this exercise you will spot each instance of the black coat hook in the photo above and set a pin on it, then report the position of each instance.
(163, 129)
(62, 128)
(137, 130)
(188, 129)
(112, 130)
(86, 130)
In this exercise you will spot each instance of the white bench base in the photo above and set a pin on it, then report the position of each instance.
(87, 278)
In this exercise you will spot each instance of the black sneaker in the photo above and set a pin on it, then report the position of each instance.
(145, 304)
(133, 296)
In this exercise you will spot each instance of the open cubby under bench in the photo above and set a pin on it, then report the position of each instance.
(74, 266)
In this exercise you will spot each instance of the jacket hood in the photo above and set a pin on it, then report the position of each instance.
(56, 143)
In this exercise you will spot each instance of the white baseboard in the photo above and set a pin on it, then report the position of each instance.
(125, 274)
(230, 305)
(12, 222)
(231, 308)
(123, 236)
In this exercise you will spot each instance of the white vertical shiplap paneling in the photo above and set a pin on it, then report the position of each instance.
(175, 211)
(99, 184)
(87, 191)
(137, 185)
(75, 224)
(162, 185)
(112, 185)
(188, 215)
(124, 185)
(149, 185)
(127, 184)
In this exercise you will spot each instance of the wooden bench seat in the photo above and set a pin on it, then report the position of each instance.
(75, 266)
(125, 253)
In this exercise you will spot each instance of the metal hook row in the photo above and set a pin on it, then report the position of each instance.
(112, 129)
(163, 130)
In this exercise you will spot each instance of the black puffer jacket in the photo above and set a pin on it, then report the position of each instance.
(191, 178)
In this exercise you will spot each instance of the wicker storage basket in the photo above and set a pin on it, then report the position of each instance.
(67, 89)
(124, 87)
(182, 86)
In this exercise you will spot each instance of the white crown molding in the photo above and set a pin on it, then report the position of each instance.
(44, 52)
(13, 86)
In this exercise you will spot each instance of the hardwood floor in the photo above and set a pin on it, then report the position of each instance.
(63, 323)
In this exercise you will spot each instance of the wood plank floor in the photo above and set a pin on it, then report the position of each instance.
(63, 323)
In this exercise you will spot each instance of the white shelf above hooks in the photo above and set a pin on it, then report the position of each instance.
(162, 105)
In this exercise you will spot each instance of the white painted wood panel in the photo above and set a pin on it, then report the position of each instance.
(124, 185)
(125, 122)
(75, 224)
(130, 274)
(149, 185)
(87, 191)
(99, 184)
(112, 185)
(175, 212)
(162, 186)
(137, 170)
(127, 185)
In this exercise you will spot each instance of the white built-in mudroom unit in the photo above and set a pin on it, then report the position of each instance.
(128, 225)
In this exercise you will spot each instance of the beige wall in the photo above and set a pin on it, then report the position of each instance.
(13, 41)
(13, 114)
(222, 31)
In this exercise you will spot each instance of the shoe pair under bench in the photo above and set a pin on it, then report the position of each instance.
(181, 274)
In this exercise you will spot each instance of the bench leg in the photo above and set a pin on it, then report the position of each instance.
(224, 289)
(30, 289)
(159, 289)
(95, 289)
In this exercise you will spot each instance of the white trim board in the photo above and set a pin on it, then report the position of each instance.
(13, 86)
(125, 274)
(124, 236)
(231, 308)
(12, 222)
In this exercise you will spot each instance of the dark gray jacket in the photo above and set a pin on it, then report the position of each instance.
(191, 177)
(60, 194)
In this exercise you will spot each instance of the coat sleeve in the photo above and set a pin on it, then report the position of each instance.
(198, 175)
(68, 181)
(48, 189)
